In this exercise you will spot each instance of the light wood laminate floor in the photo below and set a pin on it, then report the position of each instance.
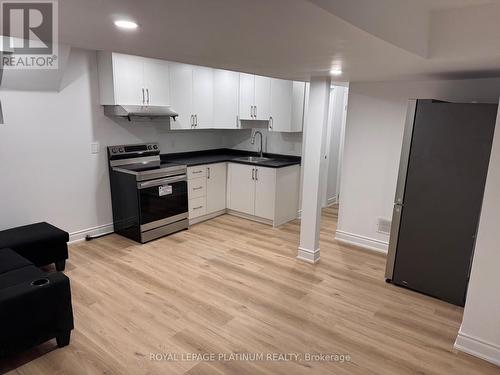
(232, 285)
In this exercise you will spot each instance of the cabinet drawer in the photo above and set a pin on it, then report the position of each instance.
(197, 187)
(197, 172)
(197, 207)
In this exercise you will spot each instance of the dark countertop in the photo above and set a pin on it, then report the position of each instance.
(225, 154)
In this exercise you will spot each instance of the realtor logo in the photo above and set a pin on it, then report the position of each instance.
(29, 30)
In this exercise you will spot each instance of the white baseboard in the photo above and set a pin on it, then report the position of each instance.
(362, 241)
(81, 234)
(250, 217)
(478, 348)
(309, 256)
(331, 201)
(206, 217)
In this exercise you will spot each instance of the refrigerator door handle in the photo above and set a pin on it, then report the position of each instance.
(393, 241)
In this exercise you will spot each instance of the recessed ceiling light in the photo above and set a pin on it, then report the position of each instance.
(129, 25)
(336, 71)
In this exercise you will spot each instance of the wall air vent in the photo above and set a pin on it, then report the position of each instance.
(384, 225)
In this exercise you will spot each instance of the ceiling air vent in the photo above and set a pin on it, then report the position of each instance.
(384, 225)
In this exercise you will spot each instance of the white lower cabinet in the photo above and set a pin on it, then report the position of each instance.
(206, 191)
(197, 207)
(241, 188)
(266, 194)
(216, 187)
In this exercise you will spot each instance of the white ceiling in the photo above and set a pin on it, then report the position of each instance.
(370, 40)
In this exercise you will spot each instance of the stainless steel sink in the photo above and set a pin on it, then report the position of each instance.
(252, 159)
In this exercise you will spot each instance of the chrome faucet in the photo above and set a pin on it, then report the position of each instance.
(252, 141)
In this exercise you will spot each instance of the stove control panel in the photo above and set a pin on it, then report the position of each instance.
(134, 149)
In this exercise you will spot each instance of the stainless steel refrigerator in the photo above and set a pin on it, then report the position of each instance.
(442, 173)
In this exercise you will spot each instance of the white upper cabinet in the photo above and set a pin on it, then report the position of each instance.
(203, 97)
(247, 96)
(255, 97)
(262, 109)
(181, 95)
(298, 106)
(281, 105)
(156, 82)
(132, 80)
(128, 80)
(225, 99)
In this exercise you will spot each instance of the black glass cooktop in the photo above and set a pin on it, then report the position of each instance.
(149, 166)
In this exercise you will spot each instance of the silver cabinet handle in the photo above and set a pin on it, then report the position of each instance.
(271, 122)
(147, 92)
(195, 120)
(197, 208)
(163, 181)
(256, 174)
(253, 173)
(196, 172)
(198, 188)
(208, 172)
(143, 97)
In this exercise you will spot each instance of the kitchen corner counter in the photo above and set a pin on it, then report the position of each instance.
(229, 155)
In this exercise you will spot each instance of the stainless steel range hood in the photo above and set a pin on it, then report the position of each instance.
(139, 111)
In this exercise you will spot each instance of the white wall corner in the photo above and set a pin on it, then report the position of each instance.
(309, 256)
(479, 348)
(367, 243)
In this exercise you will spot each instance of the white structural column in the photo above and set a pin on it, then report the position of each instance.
(479, 334)
(317, 118)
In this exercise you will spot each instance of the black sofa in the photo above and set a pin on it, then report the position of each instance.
(40, 243)
(35, 306)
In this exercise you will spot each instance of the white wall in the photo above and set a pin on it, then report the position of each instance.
(276, 143)
(480, 331)
(336, 123)
(373, 138)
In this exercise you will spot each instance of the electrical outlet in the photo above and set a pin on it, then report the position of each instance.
(95, 148)
(384, 225)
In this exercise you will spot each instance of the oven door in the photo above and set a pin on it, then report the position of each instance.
(162, 201)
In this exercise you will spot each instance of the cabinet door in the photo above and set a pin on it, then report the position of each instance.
(181, 95)
(247, 96)
(128, 76)
(281, 105)
(203, 96)
(226, 96)
(265, 192)
(156, 82)
(298, 104)
(262, 98)
(241, 187)
(216, 187)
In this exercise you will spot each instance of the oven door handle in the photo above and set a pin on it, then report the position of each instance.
(163, 181)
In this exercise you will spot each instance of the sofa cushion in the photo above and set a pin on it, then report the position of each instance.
(21, 275)
(32, 234)
(10, 260)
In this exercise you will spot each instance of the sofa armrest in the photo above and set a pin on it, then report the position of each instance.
(30, 314)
